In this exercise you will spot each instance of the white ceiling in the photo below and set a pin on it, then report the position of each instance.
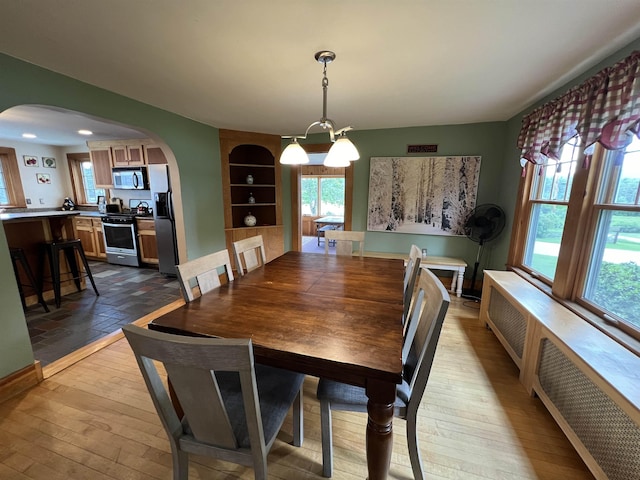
(248, 64)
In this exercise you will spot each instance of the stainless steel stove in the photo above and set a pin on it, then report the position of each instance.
(120, 238)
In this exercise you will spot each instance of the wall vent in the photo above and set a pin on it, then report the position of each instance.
(508, 320)
(606, 431)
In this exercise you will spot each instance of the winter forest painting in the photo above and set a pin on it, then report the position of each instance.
(428, 195)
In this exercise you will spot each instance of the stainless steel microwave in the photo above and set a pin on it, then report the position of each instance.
(131, 178)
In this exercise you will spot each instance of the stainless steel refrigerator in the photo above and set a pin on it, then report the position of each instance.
(163, 214)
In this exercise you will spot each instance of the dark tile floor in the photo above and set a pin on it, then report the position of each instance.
(126, 294)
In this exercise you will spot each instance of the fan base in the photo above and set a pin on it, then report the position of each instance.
(469, 294)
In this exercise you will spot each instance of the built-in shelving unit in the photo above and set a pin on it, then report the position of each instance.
(256, 155)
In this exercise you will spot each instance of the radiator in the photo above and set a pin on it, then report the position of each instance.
(509, 321)
(607, 432)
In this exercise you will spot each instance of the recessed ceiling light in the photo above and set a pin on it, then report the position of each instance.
(85, 132)
(28, 135)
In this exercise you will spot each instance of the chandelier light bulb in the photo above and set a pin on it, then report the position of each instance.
(294, 154)
(341, 153)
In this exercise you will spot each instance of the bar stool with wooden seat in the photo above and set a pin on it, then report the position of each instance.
(18, 257)
(68, 247)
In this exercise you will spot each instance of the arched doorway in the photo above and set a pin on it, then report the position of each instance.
(56, 145)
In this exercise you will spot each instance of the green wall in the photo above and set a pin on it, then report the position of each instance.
(484, 139)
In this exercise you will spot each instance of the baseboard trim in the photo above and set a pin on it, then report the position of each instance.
(20, 381)
(87, 350)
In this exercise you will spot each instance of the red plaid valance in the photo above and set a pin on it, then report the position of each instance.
(605, 109)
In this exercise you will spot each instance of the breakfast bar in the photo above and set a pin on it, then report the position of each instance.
(26, 231)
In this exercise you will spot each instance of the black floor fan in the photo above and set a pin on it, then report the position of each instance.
(483, 225)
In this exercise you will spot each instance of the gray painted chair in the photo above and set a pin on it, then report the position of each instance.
(249, 249)
(344, 240)
(421, 338)
(410, 275)
(204, 272)
(232, 411)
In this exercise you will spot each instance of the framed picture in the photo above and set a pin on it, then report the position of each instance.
(49, 162)
(43, 178)
(30, 160)
(101, 200)
(424, 195)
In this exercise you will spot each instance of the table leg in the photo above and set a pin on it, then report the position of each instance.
(379, 428)
(460, 280)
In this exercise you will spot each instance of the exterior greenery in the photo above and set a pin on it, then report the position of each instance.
(618, 290)
(326, 200)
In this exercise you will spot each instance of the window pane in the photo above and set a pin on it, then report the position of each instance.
(543, 243)
(621, 183)
(613, 277)
(554, 179)
(309, 196)
(90, 191)
(4, 198)
(332, 196)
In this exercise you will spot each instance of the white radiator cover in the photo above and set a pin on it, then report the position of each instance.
(608, 433)
(587, 381)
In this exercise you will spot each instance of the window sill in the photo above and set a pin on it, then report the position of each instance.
(628, 341)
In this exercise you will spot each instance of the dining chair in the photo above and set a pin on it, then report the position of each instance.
(412, 269)
(430, 307)
(204, 272)
(232, 409)
(344, 240)
(249, 249)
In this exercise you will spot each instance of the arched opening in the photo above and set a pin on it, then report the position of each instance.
(59, 154)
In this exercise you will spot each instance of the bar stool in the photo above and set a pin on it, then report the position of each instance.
(18, 257)
(68, 247)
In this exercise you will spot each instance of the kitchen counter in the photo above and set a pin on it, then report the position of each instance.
(90, 213)
(36, 215)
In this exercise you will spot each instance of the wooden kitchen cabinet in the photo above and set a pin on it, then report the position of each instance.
(128, 155)
(246, 154)
(147, 240)
(89, 231)
(154, 155)
(101, 161)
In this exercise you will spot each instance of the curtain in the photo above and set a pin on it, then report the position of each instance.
(605, 109)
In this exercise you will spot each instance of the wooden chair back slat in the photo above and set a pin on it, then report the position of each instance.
(249, 254)
(204, 271)
(344, 240)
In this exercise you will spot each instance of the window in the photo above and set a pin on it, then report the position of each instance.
(11, 193)
(612, 282)
(322, 195)
(548, 205)
(581, 233)
(82, 178)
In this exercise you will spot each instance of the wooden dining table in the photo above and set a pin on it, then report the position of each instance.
(334, 317)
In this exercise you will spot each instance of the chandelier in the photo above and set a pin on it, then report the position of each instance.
(342, 151)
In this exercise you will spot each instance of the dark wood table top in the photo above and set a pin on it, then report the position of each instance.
(330, 316)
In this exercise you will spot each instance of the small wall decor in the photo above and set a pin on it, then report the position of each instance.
(424, 195)
(30, 160)
(43, 178)
(49, 162)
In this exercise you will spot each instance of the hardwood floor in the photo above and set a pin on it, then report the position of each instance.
(95, 420)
